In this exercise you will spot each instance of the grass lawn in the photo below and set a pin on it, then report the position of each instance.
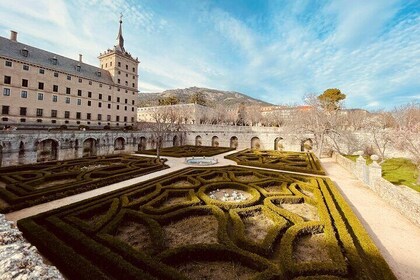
(399, 171)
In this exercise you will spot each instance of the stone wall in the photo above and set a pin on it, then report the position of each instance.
(404, 199)
(22, 147)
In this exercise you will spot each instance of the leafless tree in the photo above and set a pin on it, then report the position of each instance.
(406, 134)
(166, 120)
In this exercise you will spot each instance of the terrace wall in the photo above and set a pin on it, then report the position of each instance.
(404, 199)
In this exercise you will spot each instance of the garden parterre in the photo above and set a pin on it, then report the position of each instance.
(171, 227)
(291, 161)
(189, 151)
(26, 185)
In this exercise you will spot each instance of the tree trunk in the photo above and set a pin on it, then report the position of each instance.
(321, 144)
(158, 148)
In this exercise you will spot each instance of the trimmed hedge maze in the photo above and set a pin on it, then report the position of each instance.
(189, 151)
(175, 227)
(27, 185)
(289, 161)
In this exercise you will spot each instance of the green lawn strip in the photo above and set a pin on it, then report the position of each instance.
(398, 171)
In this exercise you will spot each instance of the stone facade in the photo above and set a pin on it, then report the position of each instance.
(44, 89)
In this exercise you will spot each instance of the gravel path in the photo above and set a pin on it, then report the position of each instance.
(396, 237)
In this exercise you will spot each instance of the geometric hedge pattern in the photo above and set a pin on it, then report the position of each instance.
(189, 151)
(290, 161)
(26, 185)
(290, 227)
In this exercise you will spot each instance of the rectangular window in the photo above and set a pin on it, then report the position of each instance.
(109, 97)
(53, 113)
(79, 92)
(5, 110)
(55, 74)
(90, 82)
(134, 70)
(132, 119)
(119, 64)
(108, 118)
(117, 118)
(26, 67)
(100, 85)
(125, 108)
(41, 71)
(68, 77)
(80, 80)
(89, 94)
(125, 119)
(24, 94)
(41, 85)
(88, 116)
(126, 67)
(8, 63)
(24, 82)
(89, 103)
(99, 104)
(7, 80)
(66, 114)
(68, 90)
(78, 115)
(79, 101)
(68, 100)
(39, 112)
(119, 81)
(55, 88)
(118, 99)
(40, 96)
(23, 111)
(118, 107)
(109, 106)
(126, 101)
(99, 117)
(132, 102)
(100, 96)
(55, 98)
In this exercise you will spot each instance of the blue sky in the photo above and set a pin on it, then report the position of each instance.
(276, 51)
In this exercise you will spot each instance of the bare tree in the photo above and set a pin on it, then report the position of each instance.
(166, 120)
(406, 136)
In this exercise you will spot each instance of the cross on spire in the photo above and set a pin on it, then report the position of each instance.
(120, 40)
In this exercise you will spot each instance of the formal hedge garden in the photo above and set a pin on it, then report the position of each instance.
(279, 160)
(227, 222)
(26, 185)
(188, 151)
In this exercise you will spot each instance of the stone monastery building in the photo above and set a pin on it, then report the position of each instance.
(40, 88)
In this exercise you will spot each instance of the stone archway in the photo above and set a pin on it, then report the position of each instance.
(215, 141)
(306, 145)
(234, 142)
(198, 140)
(47, 150)
(175, 141)
(142, 144)
(278, 144)
(255, 143)
(119, 144)
(89, 147)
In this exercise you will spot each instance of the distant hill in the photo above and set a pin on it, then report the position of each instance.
(212, 97)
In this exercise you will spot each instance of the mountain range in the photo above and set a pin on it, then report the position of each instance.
(211, 96)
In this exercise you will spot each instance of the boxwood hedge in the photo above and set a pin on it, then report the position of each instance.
(84, 239)
(32, 184)
(188, 151)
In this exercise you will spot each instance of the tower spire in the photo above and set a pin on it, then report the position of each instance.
(120, 40)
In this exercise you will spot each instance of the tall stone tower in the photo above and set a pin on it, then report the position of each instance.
(120, 64)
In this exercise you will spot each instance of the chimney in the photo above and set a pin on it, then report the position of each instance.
(13, 35)
(80, 57)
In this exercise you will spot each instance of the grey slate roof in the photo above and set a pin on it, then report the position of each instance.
(42, 58)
